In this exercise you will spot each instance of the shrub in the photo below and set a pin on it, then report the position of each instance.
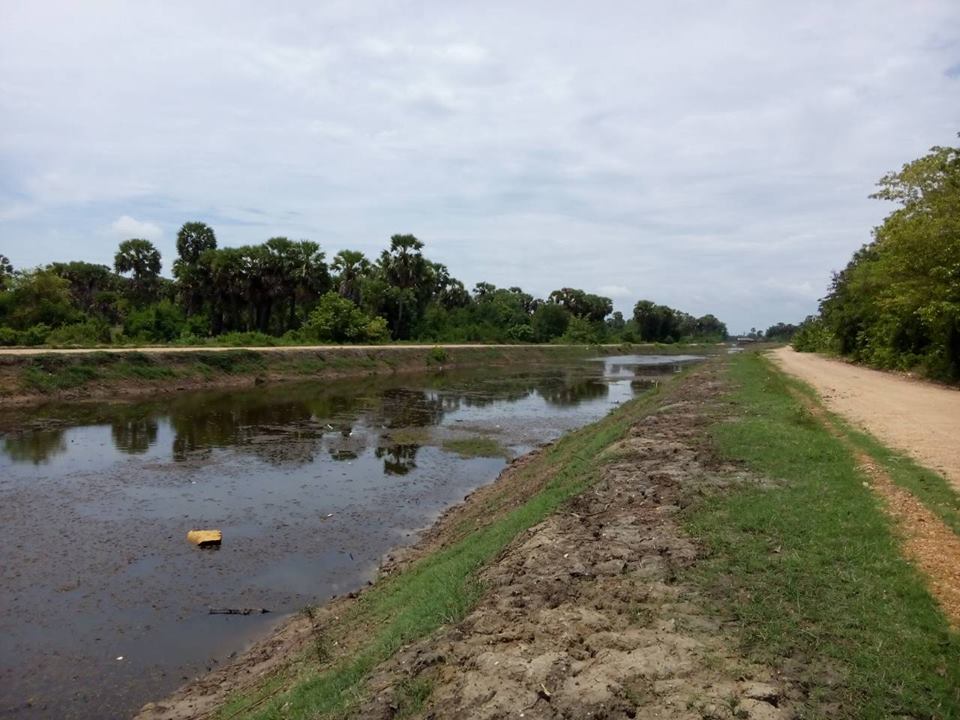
(337, 319)
(85, 334)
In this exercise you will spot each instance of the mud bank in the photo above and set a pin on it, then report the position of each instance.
(30, 378)
(581, 614)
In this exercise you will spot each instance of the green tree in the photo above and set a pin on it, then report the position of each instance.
(580, 304)
(38, 297)
(194, 241)
(350, 267)
(337, 319)
(549, 321)
(94, 289)
(6, 271)
(897, 302)
(142, 260)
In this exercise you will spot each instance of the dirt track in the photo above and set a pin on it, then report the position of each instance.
(915, 417)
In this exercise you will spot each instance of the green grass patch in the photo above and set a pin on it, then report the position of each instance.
(441, 588)
(410, 696)
(811, 568)
(47, 378)
(479, 446)
(409, 436)
(231, 362)
(929, 487)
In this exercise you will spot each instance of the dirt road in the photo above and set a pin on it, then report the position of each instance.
(915, 417)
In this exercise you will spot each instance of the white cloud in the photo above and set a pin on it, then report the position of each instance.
(615, 292)
(716, 157)
(126, 227)
(16, 211)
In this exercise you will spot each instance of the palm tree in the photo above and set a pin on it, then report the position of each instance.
(142, 260)
(351, 266)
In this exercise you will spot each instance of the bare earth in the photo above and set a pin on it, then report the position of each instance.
(918, 418)
(586, 614)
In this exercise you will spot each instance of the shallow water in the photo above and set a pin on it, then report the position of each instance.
(106, 605)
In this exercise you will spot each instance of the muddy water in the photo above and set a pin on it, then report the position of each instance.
(104, 603)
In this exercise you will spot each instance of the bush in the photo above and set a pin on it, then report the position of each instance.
(85, 334)
(437, 355)
(251, 339)
(9, 336)
(549, 321)
(160, 322)
(337, 319)
(812, 336)
(36, 335)
(520, 333)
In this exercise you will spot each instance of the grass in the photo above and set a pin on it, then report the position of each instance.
(442, 587)
(810, 567)
(479, 446)
(46, 378)
(931, 488)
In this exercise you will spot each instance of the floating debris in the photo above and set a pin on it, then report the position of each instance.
(205, 538)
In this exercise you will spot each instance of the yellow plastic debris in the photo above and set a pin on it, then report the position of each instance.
(205, 538)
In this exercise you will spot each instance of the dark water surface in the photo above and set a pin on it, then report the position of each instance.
(104, 603)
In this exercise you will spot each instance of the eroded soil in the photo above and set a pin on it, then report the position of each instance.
(586, 617)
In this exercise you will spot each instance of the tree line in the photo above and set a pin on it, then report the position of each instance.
(897, 302)
(285, 292)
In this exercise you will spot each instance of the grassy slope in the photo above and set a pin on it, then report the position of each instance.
(49, 374)
(441, 588)
(810, 567)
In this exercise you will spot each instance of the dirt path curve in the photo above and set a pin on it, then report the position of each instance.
(915, 417)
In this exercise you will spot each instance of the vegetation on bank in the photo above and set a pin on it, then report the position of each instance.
(897, 303)
(811, 569)
(284, 292)
(436, 590)
(480, 446)
(112, 372)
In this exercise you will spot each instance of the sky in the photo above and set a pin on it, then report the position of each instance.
(712, 156)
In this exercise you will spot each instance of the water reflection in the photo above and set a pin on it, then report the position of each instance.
(398, 459)
(314, 418)
(134, 436)
(34, 446)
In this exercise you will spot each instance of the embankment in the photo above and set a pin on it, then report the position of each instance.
(713, 549)
(33, 377)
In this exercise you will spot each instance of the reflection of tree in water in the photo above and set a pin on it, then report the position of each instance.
(345, 444)
(401, 407)
(278, 432)
(34, 446)
(134, 435)
(574, 392)
(398, 459)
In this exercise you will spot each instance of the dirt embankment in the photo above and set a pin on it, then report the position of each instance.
(918, 418)
(585, 615)
(30, 377)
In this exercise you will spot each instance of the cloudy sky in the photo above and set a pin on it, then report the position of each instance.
(714, 156)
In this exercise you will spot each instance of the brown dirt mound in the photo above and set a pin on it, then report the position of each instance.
(585, 616)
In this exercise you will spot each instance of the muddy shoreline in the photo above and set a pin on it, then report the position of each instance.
(34, 378)
(595, 581)
(313, 484)
(202, 696)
